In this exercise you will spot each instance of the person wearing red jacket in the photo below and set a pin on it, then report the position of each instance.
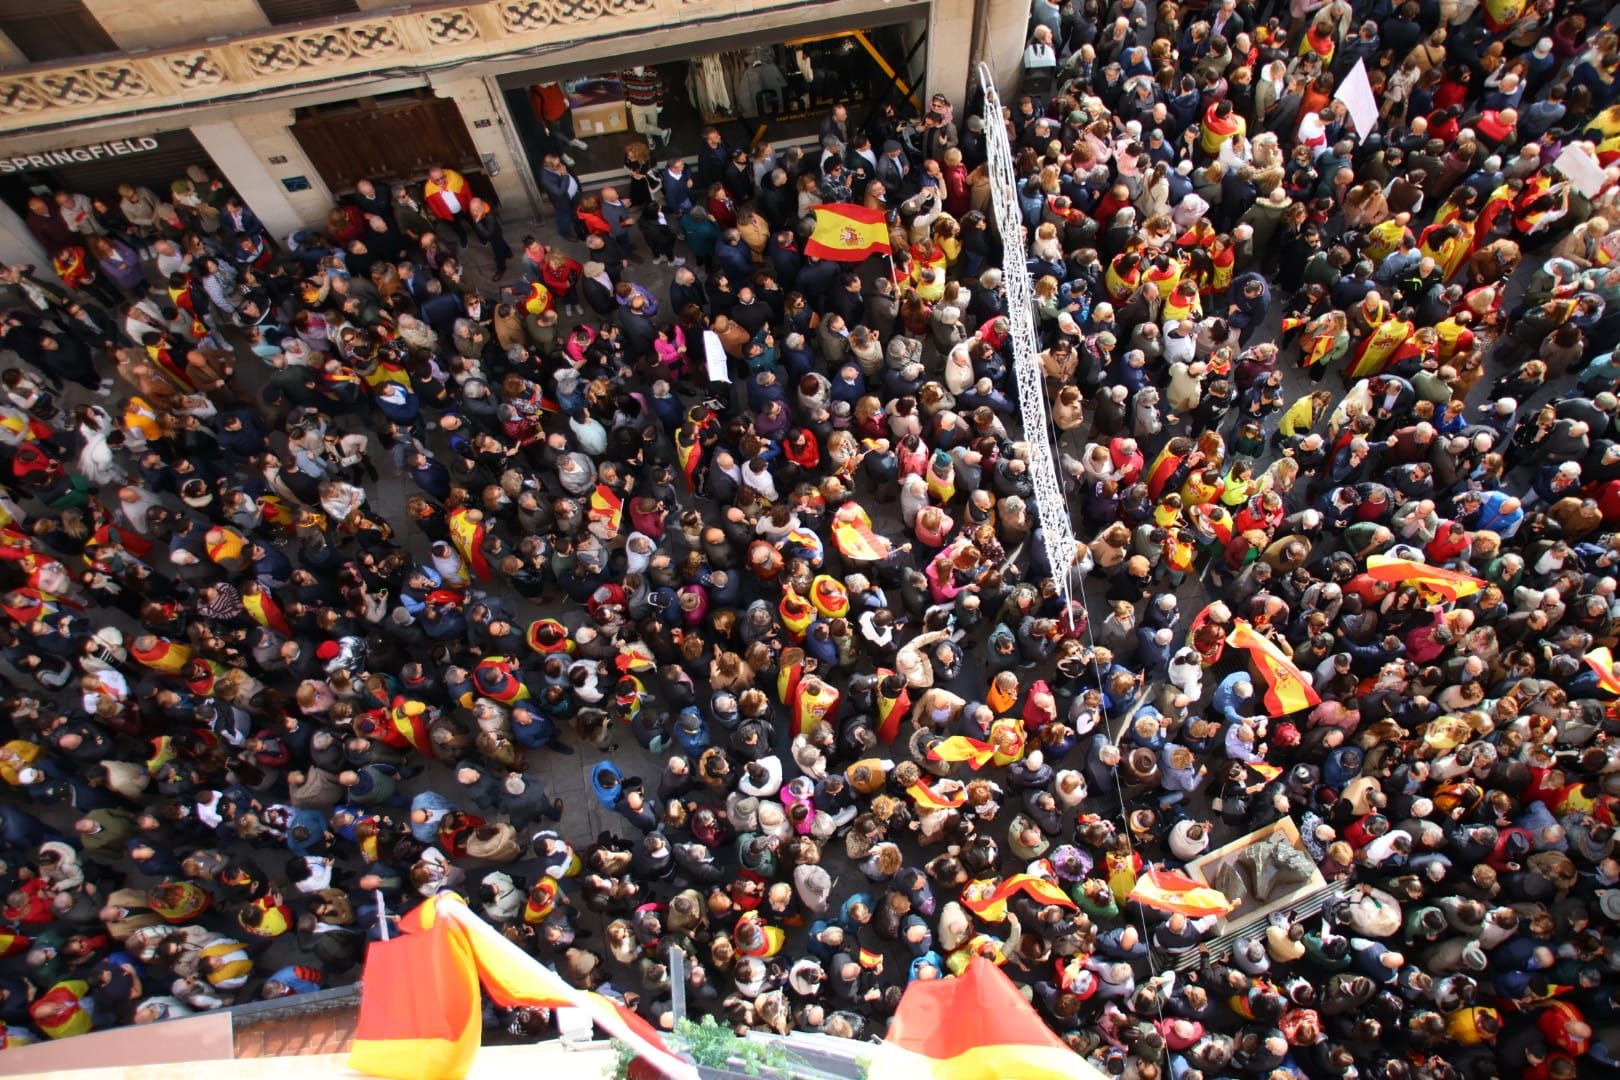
(448, 197)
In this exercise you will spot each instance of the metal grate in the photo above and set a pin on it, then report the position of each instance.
(1050, 505)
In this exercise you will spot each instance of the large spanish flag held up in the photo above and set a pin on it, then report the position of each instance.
(976, 1026)
(1446, 584)
(1287, 689)
(846, 232)
(1167, 890)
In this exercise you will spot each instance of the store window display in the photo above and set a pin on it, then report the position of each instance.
(644, 92)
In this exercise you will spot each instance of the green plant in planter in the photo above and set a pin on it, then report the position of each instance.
(624, 1055)
(710, 1046)
(714, 1046)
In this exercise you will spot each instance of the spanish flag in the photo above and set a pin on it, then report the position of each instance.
(164, 656)
(263, 607)
(406, 1034)
(1288, 690)
(607, 507)
(853, 535)
(976, 1026)
(962, 748)
(1446, 584)
(467, 533)
(991, 905)
(60, 1012)
(420, 1015)
(846, 232)
(1601, 661)
(891, 709)
(928, 799)
(409, 720)
(1167, 890)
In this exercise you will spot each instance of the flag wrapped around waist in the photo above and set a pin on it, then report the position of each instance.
(976, 1026)
(1287, 689)
(846, 232)
(1167, 890)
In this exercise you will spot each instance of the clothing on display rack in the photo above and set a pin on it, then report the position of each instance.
(708, 87)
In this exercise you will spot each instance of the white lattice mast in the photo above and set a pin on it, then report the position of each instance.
(1050, 503)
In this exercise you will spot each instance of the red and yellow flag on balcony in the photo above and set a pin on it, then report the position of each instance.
(420, 1015)
(846, 232)
(1287, 688)
(1167, 890)
(1442, 583)
(976, 1026)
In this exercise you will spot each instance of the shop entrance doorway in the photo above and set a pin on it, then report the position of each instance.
(96, 169)
(754, 93)
(389, 139)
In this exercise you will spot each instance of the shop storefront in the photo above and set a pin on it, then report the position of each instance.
(387, 139)
(752, 92)
(96, 169)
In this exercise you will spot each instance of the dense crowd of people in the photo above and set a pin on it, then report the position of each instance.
(777, 528)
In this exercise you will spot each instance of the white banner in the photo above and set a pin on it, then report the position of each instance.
(1356, 93)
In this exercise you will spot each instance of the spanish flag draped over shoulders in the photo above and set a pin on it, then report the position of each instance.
(467, 533)
(976, 1026)
(846, 232)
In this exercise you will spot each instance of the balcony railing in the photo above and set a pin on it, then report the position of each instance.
(373, 44)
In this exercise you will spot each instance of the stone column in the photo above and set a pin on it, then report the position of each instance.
(1006, 34)
(484, 113)
(17, 244)
(962, 32)
(257, 180)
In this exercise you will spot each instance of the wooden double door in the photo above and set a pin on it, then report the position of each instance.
(388, 141)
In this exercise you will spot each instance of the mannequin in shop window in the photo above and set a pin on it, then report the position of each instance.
(644, 90)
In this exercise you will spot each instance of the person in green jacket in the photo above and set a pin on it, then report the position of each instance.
(102, 833)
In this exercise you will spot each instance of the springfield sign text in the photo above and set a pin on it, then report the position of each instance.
(74, 155)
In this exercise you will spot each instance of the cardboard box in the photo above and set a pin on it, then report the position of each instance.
(606, 118)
